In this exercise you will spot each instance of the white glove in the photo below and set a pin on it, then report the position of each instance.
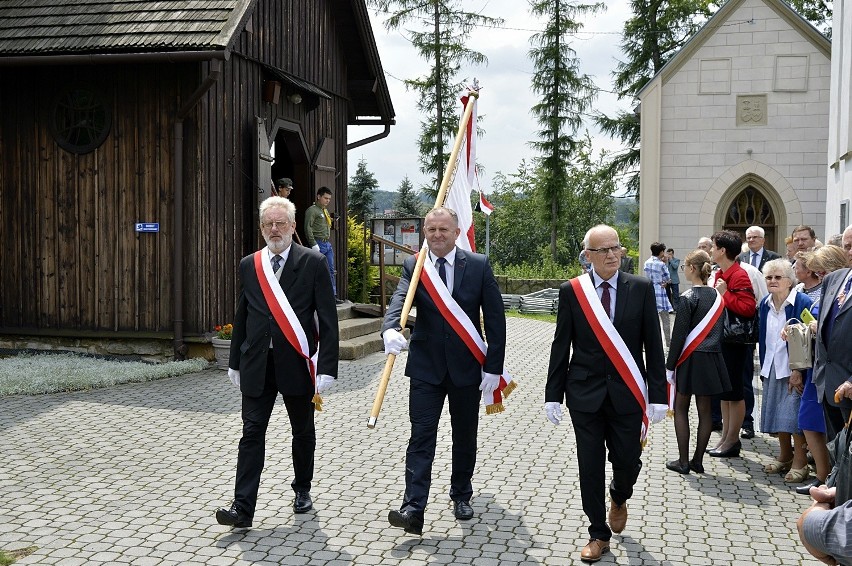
(324, 382)
(670, 376)
(395, 342)
(234, 376)
(315, 247)
(657, 412)
(553, 410)
(490, 382)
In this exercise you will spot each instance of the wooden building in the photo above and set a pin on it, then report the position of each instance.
(143, 115)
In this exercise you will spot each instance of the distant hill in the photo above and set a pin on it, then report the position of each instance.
(384, 201)
(624, 207)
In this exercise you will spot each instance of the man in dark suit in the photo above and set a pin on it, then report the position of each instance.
(626, 264)
(440, 366)
(604, 410)
(756, 255)
(833, 363)
(264, 363)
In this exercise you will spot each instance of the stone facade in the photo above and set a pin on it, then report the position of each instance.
(734, 130)
(839, 190)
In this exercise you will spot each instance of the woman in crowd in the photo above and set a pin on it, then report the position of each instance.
(809, 281)
(732, 282)
(696, 368)
(811, 420)
(782, 388)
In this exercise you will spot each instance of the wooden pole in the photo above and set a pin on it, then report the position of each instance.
(418, 266)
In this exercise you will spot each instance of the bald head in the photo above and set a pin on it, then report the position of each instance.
(847, 243)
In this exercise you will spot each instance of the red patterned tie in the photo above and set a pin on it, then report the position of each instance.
(605, 286)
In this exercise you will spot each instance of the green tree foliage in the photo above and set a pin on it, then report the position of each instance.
(565, 93)
(362, 276)
(655, 33)
(362, 190)
(407, 201)
(818, 12)
(443, 40)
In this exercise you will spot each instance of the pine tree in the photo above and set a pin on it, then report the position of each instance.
(407, 201)
(362, 188)
(565, 95)
(443, 42)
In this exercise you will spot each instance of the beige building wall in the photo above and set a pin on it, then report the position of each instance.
(744, 104)
(839, 189)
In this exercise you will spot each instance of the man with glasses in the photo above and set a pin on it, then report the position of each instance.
(285, 309)
(607, 319)
(756, 255)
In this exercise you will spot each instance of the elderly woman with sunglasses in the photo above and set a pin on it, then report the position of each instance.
(782, 388)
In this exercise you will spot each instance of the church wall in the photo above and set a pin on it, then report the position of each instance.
(700, 139)
(839, 189)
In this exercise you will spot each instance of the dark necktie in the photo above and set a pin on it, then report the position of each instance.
(276, 263)
(442, 270)
(605, 300)
(754, 259)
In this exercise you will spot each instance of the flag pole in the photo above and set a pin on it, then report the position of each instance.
(487, 233)
(418, 266)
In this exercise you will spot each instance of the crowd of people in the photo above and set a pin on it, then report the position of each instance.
(608, 364)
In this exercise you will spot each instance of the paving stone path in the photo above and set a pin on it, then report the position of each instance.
(133, 475)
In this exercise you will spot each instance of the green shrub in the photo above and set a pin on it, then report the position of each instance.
(362, 276)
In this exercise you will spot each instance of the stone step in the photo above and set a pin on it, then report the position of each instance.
(353, 327)
(360, 346)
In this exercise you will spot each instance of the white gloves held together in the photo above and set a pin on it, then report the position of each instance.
(315, 247)
(553, 410)
(395, 342)
(324, 381)
(490, 383)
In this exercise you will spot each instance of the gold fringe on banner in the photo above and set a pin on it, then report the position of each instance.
(511, 386)
(317, 401)
(493, 409)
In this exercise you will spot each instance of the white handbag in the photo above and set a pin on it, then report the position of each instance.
(799, 344)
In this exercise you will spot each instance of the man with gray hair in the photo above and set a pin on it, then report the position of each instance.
(704, 243)
(756, 255)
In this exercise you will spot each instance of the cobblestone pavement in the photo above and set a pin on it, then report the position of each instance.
(133, 475)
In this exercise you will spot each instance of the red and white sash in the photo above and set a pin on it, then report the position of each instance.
(612, 343)
(463, 326)
(284, 315)
(695, 337)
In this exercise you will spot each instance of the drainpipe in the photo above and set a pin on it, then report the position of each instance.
(370, 139)
(180, 349)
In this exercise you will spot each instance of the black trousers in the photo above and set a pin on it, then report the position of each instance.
(835, 418)
(598, 433)
(425, 404)
(250, 459)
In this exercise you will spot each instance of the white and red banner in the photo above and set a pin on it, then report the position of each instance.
(484, 205)
(458, 195)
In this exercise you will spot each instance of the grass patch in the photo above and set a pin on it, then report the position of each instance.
(534, 316)
(37, 374)
(9, 556)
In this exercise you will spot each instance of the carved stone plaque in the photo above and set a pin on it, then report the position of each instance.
(751, 110)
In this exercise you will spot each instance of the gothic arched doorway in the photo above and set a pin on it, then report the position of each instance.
(750, 207)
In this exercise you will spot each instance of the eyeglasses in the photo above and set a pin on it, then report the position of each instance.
(775, 277)
(605, 251)
(280, 225)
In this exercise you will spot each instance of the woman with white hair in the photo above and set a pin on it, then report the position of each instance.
(782, 388)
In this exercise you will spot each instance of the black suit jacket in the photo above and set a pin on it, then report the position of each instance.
(833, 364)
(767, 255)
(307, 285)
(435, 349)
(580, 371)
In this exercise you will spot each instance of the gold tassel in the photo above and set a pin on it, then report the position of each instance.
(670, 413)
(495, 408)
(644, 443)
(317, 401)
(509, 388)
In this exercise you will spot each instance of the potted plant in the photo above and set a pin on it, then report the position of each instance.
(222, 344)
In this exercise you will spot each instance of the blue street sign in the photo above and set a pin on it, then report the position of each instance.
(147, 226)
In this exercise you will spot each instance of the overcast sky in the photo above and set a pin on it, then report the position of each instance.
(506, 97)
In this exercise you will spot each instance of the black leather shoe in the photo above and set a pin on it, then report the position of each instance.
(747, 432)
(233, 517)
(732, 452)
(302, 503)
(805, 489)
(406, 520)
(462, 510)
(696, 467)
(676, 466)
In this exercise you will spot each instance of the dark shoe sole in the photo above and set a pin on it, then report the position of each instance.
(747, 433)
(228, 520)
